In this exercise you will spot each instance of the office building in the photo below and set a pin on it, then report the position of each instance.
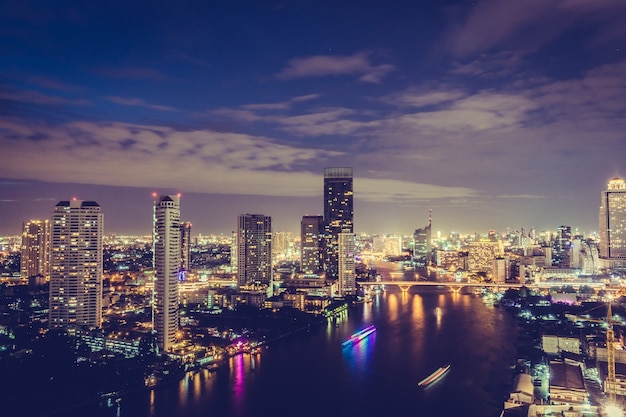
(76, 265)
(167, 261)
(482, 255)
(338, 215)
(254, 250)
(346, 264)
(422, 250)
(612, 227)
(561, 247)
(35, 254)
(311, 244)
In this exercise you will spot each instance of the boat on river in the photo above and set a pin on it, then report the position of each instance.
(360, 335)
(434, 376)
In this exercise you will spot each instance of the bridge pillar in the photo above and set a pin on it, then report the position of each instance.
(404, 288)
(455, 290)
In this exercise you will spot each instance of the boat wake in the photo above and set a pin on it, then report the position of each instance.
(435, 376)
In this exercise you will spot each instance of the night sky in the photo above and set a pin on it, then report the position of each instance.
(492, 113)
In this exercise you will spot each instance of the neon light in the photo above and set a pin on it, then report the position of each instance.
(360, 335)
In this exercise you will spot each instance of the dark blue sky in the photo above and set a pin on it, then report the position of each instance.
(493, 113)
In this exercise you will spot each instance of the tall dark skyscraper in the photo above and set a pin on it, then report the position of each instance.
(561, 247)
(612, 225)
(422, 238)
(254, 250)
(76, 265)
(311, 244)
(338, 214)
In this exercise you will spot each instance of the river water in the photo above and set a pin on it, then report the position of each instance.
(310, 374)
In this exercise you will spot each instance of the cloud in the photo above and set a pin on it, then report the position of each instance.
(325, 65)
(384, 190)
(524, 196)
(283, 105)
(421, 98)
(530, 24)
(52, 84)
(144, 156)
(204, 161)
(138, 102)
(497, 65)
(11, 93)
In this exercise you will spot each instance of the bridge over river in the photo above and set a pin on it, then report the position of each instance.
(456, 286)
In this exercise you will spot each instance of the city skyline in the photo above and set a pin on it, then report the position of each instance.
(493, 114)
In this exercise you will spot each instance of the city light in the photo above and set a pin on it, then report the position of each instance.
(613, 410)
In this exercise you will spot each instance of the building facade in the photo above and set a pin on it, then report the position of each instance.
(338, 215)
(346, 254)
(185, 249)
(612, 225)
(167, 261)
(35, 259)
(254, 250)
(311, 245)
(422, 250)
(76, 265)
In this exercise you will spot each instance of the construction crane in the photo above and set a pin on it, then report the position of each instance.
(610, 382)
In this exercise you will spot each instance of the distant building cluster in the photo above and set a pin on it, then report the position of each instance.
(260, 267)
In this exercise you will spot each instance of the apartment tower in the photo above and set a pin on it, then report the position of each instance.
(311, 245)
(167, 263)
(254, 250)
(35, 252)
(76, 265)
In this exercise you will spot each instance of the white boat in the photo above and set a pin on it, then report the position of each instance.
(434, 376)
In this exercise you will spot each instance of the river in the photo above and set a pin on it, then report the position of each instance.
(310, 374)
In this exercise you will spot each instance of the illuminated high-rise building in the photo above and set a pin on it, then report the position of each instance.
(338, 215)
(254, 252)
(185, 249)
(76, 265)
(311, 244)
(346, 264)
(234, 248)
(35, 259)
(612, 227)
(167, 262)
(561, 247)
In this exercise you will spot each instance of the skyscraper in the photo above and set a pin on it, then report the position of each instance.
(422, 238)
(612, 226)
(561, 247)
(254, 250)
(76, 265)
(338, 214)
(311, 244)
(35, 253)
(167, 262)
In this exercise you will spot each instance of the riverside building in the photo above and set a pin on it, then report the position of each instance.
(338, 214)
(167, 263)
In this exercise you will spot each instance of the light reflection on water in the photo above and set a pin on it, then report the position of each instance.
(411, 341)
